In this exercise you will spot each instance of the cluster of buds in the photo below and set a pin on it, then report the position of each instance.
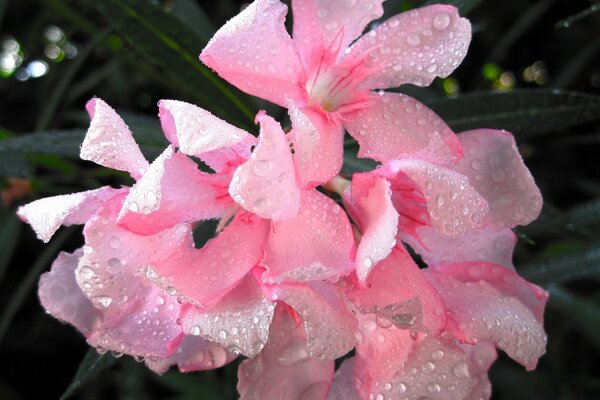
(306, 265)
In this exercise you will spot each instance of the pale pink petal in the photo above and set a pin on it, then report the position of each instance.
(399, 294)
(330, 24)
(199, 133)
(193, 354)
(330, 326)
(61, 297)
(495, 168)
(172, 191)
(481, 357)
(317, 244)
(254, 52)
(206, 275)
(266, 185)
(109, 142)
(492, 303)
(393, 125)
(415, 46)
(239, 322)
(452, 204)
(370, 205)
(481, 244)
(318, 145)
(283, 370)
(46, 215)
(343, 386)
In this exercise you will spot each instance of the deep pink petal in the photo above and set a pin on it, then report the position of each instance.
(488, 302)
(343, 386)
(46, 215)
(399, 294)
(266, 185)
(206, 275)
(415, 46)
(393, 125)
(452, 204)
(199, 133)
(193, 354)
(495, 168)
(172, 191)
(481, 244)
(109, 142)
(317, 244)
(254, 52)
(330, 326)
(283, 370)
(322, 24)
(370, 205)
(318, 145)
(239, 322)
(61, 297)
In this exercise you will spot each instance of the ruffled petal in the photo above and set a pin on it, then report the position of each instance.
(109, 142)
(330, 326)
(399, 294)
(172, 191)
(415, 46)
(283, 370)
(452, 204)
(393, 125)
(317, 244)
(199, 133)
(193, 354)
(370, 205)
(239, 322)
(266, 185)
(46, 215)
(495, 168)
(61, 297)
(343, 386)
(481, 357)
(254, 52)
(491, 303)
(318, 146)
(335, 24)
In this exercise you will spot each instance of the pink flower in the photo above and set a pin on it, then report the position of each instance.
(328, 75)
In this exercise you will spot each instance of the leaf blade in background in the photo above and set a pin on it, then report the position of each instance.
(569, 21)
(525, 113)
(10, 230)
(90, 367)
(581, 264)
(193, 15)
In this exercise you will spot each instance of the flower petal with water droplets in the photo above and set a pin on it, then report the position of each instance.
(343, 386)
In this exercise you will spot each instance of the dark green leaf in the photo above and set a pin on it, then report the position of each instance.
(526, 113)
(464, 6)
(91, 366)
(567, 22)
(14, 165)
(65, 143)
(354, 164)
(10, 230)
(583, 264)
(192, 14)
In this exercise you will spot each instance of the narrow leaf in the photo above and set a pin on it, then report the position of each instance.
(569, 21)
(583, 264)
(90, 367)
(10, 230)
(193, 15)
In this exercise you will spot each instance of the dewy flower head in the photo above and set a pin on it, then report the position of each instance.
(327, 70)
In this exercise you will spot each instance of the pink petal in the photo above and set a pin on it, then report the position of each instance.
(254, 52)
(239, 322)
(46, 215)
(371, 206)
(481, 357)
(482, 244)
(61, 297)
(317, 244)
(283, 370)
(172, 191)
(199, 133)
(393, 125)
(330, 326)
(453, 205)
(109, 142)
(266, 185)
(318, 145)
(193, 354)
(205, 276)
(330, 24)
(495, 168)
(343, 386)
(399, 294)
(415, 46)
(491, 303)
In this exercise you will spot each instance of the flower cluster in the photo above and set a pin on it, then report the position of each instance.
(306, 266)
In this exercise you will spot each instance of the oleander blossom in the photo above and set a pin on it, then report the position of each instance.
(329, 72)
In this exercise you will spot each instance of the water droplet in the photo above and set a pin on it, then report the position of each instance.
(433, 388)
(133, 207)
(440, 200)
(401, 387)
(441, 21)
(461, 370)
(195, 330)
(113, 265)
(151, 196)
(102, 301)
(367, 262)
(222, 335)
(413, 39)
(115, 242)
(262, 167)
(437, 355)
(427, 366)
